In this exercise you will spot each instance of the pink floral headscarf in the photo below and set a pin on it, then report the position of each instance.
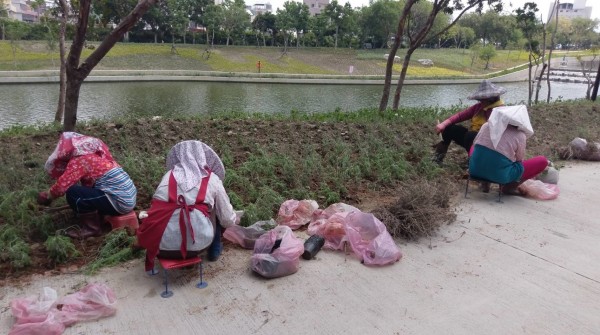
(71, 144)
(190, 160)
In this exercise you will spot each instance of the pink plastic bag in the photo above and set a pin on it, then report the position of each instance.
(48, 316)
(33, 315)
(92, 302)
(277, 253)
(370, 240)
(295, 214)
(539, 190)
(329, 223)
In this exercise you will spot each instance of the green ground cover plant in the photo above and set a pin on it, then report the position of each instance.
(379, 162)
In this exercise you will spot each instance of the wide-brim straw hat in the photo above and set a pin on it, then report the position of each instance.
(487, 90)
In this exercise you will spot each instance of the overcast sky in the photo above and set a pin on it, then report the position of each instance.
(509, 5)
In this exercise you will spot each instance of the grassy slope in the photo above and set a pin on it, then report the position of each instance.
(448, 62)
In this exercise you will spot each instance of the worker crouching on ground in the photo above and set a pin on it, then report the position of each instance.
(499, 150)
(488, 97)
(92, 181)
(188, 208)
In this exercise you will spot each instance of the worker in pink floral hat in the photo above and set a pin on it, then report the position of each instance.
(93, 183)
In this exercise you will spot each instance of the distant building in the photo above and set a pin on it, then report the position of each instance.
(21, 10)
(260, 8)
(571, 10)
(315, 7)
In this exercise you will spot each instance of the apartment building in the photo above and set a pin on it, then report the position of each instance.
(21, 10)
(316, 7)
(571, 10)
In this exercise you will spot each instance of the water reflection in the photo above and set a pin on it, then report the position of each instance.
(36, 103)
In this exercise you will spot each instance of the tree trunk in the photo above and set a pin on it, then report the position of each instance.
(76, 73)
(402, 77)
(539, 82)
(337, 28)
(596, 84)
(544, 65)
(60, 108)
(529, 83)
(550, 53)
(385, 96)
(155, 37)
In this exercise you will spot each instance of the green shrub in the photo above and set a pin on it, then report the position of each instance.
(60, 248)
(13, 248)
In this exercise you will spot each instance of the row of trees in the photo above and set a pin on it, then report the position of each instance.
(201, 21)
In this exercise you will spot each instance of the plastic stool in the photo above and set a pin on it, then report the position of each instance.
(128, 221)
(168, 264)
(481, 180)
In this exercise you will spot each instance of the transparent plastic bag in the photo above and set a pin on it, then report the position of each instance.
(246, 236)
(296, 213)
(92, 302)
(329, 223)
(48, 315)
(370, 240)
(539, 190)
(277, 253)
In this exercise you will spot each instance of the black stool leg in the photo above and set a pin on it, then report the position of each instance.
(500, 192)
(467, 187)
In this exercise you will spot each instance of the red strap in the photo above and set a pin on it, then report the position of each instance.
(172, 188)
(202, 191)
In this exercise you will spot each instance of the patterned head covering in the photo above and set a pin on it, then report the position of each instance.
(487, 90)
(509, 115)
(190, 160)
(71, 144)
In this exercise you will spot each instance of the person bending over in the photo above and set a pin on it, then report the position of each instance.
(93, 183)
(488, 97)
(189, 206)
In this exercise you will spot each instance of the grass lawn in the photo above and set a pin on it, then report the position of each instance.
(448, 63)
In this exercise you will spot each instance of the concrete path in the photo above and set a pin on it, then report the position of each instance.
(517, 267)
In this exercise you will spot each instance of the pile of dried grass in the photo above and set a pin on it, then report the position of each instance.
(422, 207)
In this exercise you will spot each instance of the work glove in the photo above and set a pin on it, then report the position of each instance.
(44, 199)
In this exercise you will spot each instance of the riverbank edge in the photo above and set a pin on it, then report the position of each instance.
(49, 76)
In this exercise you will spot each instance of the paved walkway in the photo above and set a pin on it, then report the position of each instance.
(517, 267)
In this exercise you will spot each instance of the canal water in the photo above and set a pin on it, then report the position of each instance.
(27, 104)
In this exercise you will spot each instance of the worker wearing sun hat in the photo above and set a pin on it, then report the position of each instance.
(488, 97)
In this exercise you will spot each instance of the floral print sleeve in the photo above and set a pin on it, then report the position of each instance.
(85, 168)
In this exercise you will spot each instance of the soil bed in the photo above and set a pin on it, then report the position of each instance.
(241, 139)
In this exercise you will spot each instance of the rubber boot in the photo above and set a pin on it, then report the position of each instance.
(440, 152)
(90, 225)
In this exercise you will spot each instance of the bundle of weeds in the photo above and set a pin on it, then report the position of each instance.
(422, 207)
(116, 249)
